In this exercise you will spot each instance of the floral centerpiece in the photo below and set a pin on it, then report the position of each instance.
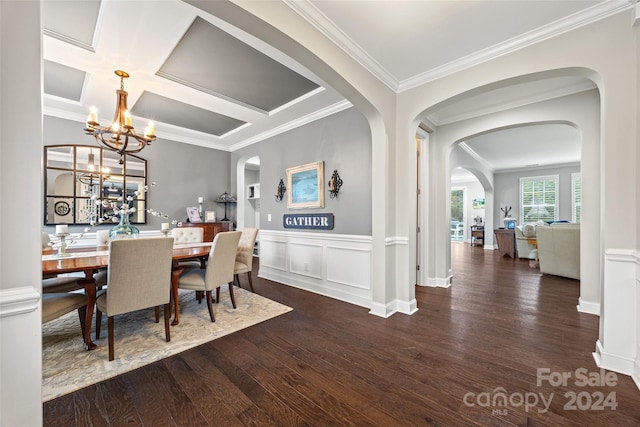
(119, 211)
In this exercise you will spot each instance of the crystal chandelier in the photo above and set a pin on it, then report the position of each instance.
(120, 136)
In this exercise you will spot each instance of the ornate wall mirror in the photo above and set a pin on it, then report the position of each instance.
(74, 173)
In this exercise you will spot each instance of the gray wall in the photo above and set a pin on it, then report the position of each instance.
(182, 173)
(343, 142)
(507, 191)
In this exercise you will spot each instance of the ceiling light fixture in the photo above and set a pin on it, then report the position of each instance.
(93, 177)
(120, 136)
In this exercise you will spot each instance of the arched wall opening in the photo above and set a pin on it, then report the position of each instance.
(581, 110)
(274, 24)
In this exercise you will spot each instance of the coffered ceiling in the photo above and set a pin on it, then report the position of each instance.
(205, 82)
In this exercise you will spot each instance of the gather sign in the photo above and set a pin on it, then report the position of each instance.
(317, 221)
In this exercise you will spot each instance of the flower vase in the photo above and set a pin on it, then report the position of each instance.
(123, 230)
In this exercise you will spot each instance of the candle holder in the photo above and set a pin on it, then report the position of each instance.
(61, 244)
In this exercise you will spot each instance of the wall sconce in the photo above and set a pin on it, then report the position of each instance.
(280, 191)
(334, 184)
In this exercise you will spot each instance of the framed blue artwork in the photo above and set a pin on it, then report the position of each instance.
(306, 184)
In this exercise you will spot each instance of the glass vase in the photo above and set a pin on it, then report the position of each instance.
(124, 230)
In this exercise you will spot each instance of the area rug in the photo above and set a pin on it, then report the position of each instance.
(67, 367)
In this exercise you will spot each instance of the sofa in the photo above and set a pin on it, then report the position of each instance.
(559, 249)
(526, 240)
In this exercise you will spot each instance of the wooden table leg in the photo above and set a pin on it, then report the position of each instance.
(175, 275)
(90, 289)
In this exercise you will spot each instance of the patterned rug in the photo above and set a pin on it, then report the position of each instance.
(67, 367)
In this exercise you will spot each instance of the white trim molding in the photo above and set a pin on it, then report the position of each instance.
(616, 349)
(438, 282)
(588, 307)
(335, 265)
(14, 301)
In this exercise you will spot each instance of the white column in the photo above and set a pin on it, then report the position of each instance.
(616, 350)
(20, 213)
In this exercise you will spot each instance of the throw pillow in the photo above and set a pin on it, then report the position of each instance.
(529, 230)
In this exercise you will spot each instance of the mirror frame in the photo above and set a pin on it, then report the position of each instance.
(69, 203)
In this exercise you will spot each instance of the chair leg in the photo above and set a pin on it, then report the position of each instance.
(157, 310)
(167, 315)
(236, 279)
(82, 313)
(233, 300)
(210, 306)
(98, 323)
(199, 295)
(250, 281)
(217, 295)
(110, 327)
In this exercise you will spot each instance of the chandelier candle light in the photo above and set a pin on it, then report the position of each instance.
(120, 136)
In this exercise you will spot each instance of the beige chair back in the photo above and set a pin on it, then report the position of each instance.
(222, 259)
(45, 240)
(244, 254)
(182, 235)
(139, 274)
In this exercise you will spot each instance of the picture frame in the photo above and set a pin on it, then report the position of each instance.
(210, 216)
(478, 203)
(193, 214)
(306, 186)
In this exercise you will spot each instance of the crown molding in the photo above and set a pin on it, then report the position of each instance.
(463, 145)
(538, 167)
(163, 130)
(504, 106)
(579, 19)
(319, 20)
(316, 115)
(67, 39)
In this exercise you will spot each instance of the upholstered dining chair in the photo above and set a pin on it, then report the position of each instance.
(184, 235)
(244, 255)
(139, 277)
(219, 269)
(58, 304)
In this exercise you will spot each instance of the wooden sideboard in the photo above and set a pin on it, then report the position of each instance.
(210, 228)
(506, 238)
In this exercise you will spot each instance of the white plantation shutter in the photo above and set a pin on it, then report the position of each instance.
(539, 198)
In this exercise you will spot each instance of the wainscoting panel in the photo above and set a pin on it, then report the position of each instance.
(303, 259)
(335, 265)
(273, 253)
(342, 266)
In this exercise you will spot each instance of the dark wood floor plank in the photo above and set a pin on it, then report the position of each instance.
(216, 399)
(331, 363)
(61, 411)
(120, 410)
(90, 408)
(147, 398)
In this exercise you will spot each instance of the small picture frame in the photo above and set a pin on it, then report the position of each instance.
(210, 216)
(193, 214)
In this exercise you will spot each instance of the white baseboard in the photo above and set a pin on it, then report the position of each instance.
(588, 307)
(613, 362)
(438, 282)
(14, 301)
(309, 284)
(636, 379)
(382, 310)
(407, 307)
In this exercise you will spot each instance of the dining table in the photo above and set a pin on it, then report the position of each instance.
(89, 260)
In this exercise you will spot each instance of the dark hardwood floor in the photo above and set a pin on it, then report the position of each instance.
(329, 363)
